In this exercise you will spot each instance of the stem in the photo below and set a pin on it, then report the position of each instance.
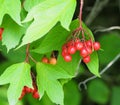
(80, 13)
(27, 53)
(32, 58)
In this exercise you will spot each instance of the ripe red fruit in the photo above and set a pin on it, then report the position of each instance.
(64, 52)
(22, 94)
(36, 95)
(70, 43)
(71, 49)
(45, 60)
(64, 46)
(89, 50)
(84, 52)
(53, 61)
(79, 45)
(67, 58)
(86, 59)
(89, 43)
(27, 89)
(96, 46)
(1, 31)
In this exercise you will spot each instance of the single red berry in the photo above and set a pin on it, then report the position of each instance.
(96, 46)
(71, 49)
(36, 95)
(70, 43)
(64, 46)
(1, 31)
(89, 50)
(84, 52)
(45, 60)
(27, 89)
(89, 43)
(86, 59)
(64, 52)
(22, 95)
(31, 90)
(79, 45)
(67, 58)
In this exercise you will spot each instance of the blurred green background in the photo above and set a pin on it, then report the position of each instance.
(98, 14)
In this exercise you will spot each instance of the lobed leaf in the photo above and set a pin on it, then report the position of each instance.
(12, 8)
(46, 15)
(18, 75)
(47, 81)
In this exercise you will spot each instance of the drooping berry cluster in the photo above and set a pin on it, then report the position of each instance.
(1, 31)
(84, 47)
(52, 60)
(27, 90)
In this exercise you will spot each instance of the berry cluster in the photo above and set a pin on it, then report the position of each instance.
(27, 90)
(85, 47)
(1, 31)
(52, 60)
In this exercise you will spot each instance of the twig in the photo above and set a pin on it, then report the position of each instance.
(98, 6)
(104, 70)
(32, 59)
(108, 29)
(80, 13)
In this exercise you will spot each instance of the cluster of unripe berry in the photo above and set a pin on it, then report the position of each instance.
(1, 31)
(52, 60)
(27, 90)
(85, 47)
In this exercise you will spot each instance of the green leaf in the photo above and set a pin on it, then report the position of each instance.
(115, 99)
(98, 92)
(18, 75)
(70, 67)
(46, 15)
(12, 33)
(12, 8)
(93, 65)
(70, 90)
(47, 81)
(29, 4)
(52, 41)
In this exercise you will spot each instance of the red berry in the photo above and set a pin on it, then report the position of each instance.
(45, 60)
(89, 43)
(70, 43)
(86, 59)
(36, 95)
(67, 58)
(84, 52)
(89, 50)
(96, 46)
(71, 49)
(27, 89)
(1, 31)
(64, 46)
(22, 95)
(79, 45)
(64, 52)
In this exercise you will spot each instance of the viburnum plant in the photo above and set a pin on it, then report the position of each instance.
(46, 28)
